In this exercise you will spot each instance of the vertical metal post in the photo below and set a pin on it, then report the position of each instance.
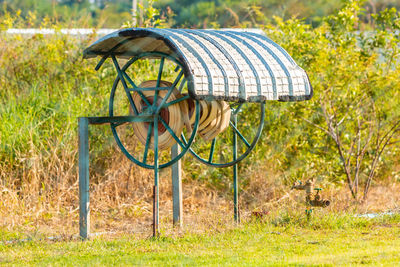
(84, 208)
(176, 187)
(155, 190)
(235, 175)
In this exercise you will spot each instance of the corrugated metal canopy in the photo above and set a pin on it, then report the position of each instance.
(219, 64)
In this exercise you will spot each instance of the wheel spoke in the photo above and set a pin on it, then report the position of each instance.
(148, 115)
(160, 70)
(176, 101)
(210, 157)
(182, 84)
(121, 77)
(169, 92)
(134, 87)
(159, 76)
(178, 78)
(239, 134)
(236, 111)
(129, 79)
(146, 147)
(118, 124)
(172, 133)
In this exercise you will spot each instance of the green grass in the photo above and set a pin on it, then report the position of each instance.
(330, 240)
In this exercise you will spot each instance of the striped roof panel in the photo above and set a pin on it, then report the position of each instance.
(220, 64)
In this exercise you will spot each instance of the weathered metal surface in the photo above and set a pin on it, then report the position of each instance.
(176, 173)
(250, 144)
(156, 207)
(219, 64)
(235, 174)
(154, 110)
(312, 199)
(120, 119)
(215, 65)
(84, 208)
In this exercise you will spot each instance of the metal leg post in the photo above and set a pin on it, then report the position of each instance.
(235, 176)
(156, 229)
(84, 208)
(176, 187)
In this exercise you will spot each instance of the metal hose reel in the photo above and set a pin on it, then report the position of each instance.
(214, 116)
(202, 90)
(177, 118)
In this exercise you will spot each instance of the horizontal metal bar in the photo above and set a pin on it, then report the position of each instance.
(120, 119)
(139, 89)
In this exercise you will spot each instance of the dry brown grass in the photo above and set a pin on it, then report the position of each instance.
(46, 202)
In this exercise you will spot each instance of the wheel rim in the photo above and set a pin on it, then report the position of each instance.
(206, 156)
(185, 145)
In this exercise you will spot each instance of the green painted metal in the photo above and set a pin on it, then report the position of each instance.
(128, 94)
(84, 208)
(126, 76)
(159, 76)
(156, 219)
(176, 173)
(110, 52)
(162, 104)
(172, 133)
(238, 133)
(210, 157)
(141, 89)
(176, 101)
(146, 147)
(235, 173)
(184, 81)
(238, 108)
(122, 75)
(250, 146)
(152, 115)
(120, 119)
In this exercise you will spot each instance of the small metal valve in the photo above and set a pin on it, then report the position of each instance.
(314, 200)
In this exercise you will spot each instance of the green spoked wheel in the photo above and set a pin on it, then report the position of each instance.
(237, 141)
(153, 87)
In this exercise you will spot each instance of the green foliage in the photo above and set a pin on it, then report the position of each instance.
(355, 78)
(184, 13)
(46, 85)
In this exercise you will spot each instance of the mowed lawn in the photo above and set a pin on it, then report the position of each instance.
(344, 240)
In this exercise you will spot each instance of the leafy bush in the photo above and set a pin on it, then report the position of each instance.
(347, 129)
(338, 136)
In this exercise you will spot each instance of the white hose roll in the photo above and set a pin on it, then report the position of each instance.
(214, 118)
(176, 116)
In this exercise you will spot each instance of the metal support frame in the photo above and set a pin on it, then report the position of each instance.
(156, 199)
(177, 151)
(84, 208)
(176, 173)
(236, 214)
(84, 199)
